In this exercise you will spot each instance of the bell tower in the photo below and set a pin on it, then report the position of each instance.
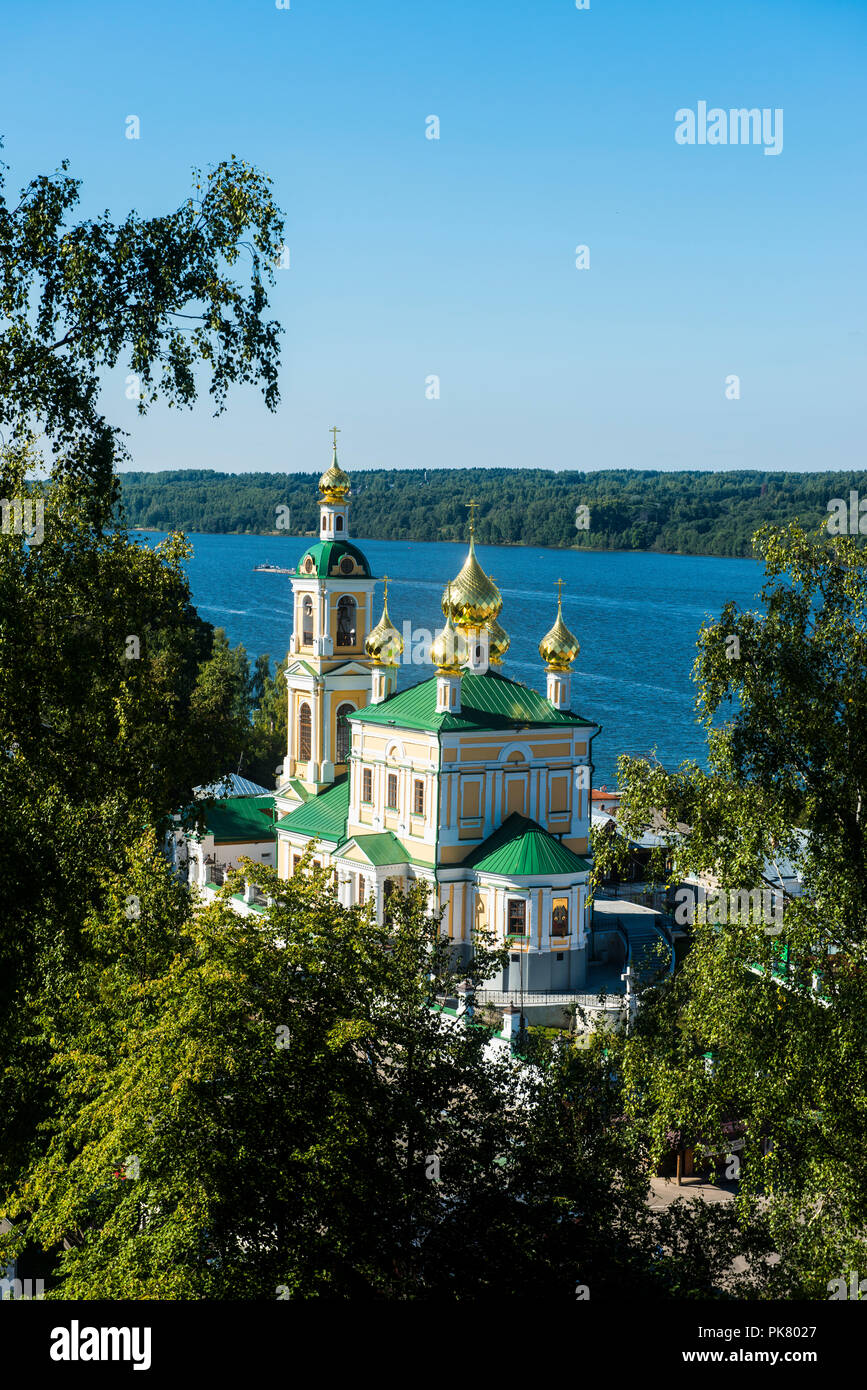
(328, 675)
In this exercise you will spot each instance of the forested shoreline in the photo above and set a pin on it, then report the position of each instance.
(688, 513)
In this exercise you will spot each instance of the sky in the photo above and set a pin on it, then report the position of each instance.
(412, 258)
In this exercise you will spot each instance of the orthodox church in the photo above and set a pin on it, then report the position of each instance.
(471, 782)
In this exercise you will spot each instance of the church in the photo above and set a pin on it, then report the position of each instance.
(472, 783)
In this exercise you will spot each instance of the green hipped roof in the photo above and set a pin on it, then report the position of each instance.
(522, 847)
(241, 818)
(381, 848)
(326, 556)
(323, 815)
(488, 701)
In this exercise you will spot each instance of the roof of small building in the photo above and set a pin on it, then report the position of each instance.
(488, 701)
(245, 818)
(323, 815)
(381, 848)
(522, 848)
(232, 785)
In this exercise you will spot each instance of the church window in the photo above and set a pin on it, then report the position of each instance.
(307, 621)
(296, 860)
(347, 564)
(338, 524)
(360, 888)
(517, 917)
(560, 917)
(418, 797)
(344, 733)
(391, 797)
(346, 621)
(367, 785)
(304, 734)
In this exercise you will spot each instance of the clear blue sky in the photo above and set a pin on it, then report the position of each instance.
(456, 257)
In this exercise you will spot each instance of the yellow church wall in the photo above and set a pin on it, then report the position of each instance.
(420, 851)
(449, 755)
(577, 846)
(453, 854)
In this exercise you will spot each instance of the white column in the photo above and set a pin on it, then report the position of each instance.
(460, 912)
(547, 895)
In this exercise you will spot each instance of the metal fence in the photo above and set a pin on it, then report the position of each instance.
(541, 996)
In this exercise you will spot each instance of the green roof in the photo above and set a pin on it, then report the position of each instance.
(488, 701)
(299, 789)
(241, 818)
(522, 847)
(381, 848)
(326, 557)
(323, 815)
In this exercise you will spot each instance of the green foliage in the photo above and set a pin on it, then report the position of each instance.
(113, 705)
(294, 1114)
(783, 1021)
(78, 298)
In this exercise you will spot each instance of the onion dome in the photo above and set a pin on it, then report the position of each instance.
(445, 648)
(475, 598)
(334, 483)
(499, 642)
(384, 644)
(559, 647)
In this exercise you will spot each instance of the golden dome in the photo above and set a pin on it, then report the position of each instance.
(445, 650)
(499, 642)
(334, 483)
(384, 644)
(559, 647)
(474, 598)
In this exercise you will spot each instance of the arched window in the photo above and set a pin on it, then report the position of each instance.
(304, 741)
(344, 733)
(346, 621)
(307, 621)
(338, 526)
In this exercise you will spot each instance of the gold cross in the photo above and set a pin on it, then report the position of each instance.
(472, 504)
(559, 584)
(335, 431)
(385, 595)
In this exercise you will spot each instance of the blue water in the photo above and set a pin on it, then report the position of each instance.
(635, 615)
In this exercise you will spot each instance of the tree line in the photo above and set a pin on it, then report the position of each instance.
(687, 513)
